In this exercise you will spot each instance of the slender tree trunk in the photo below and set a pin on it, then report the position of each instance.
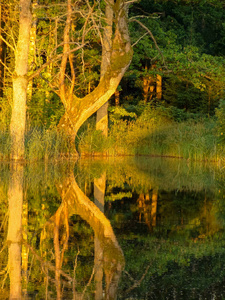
(102, 113)
(32, 53)
(2, 53)
(158, 86)
(20, 82)
(102, 119)
(117, 98)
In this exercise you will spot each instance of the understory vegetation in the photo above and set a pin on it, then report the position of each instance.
(158, 131)
(148, 130)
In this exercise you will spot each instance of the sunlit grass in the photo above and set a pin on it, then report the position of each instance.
(153, 133)
(156, 135)
(5, 145)
(48, 144)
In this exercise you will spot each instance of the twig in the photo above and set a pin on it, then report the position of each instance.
(89, 282)
(137, 282)
(152, 36)
(1, 62)
(54, 58)
(8, 44)
(74, 272)
(48, 264)
(140, 39)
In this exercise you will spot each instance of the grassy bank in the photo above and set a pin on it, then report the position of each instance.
(155, 131)
(40, 144)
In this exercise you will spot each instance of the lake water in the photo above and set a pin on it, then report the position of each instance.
(125, 228)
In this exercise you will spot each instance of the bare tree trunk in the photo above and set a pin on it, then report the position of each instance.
(117, 98)
(102, 113)
(102, 119)
(2, 53)
(32, 54)
(20, 82)
(158, 86)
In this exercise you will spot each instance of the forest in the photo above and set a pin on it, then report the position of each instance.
(115, 77)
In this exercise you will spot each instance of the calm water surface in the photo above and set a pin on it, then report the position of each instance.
(132, 228)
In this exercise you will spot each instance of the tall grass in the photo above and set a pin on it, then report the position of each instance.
(40, 144)
(48, 144)
(155, 132)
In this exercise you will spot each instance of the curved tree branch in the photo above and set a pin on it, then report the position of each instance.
(152, 37)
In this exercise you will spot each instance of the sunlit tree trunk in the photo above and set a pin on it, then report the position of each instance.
(32, 52)
(117, 98)
(148, 88)
(148, 85)
(79, 110)
(2, 53)
(102, 113)
(14, 236)
(32, 48)
(20, 82)
(158, 86)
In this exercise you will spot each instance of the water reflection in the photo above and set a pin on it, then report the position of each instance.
(108, 256)
(14, 236)
(72, 227)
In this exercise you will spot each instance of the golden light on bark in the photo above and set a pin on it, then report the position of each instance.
(20, 82)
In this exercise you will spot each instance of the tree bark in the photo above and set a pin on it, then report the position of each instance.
(2, 52)
(102, 113)
(20, 82)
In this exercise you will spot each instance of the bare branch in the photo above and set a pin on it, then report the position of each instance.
(54, 58)
(89, 282)
(6, 42)
(46, 263)
(137, 282)
(1, 62)
(152, 36)
(140, 38)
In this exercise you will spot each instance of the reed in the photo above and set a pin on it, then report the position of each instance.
(156, 133)
(153, 133)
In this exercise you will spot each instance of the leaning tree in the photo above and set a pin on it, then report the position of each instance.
(102, 24)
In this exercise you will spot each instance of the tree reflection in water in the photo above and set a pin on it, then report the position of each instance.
(108, 259)
(14, 236)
